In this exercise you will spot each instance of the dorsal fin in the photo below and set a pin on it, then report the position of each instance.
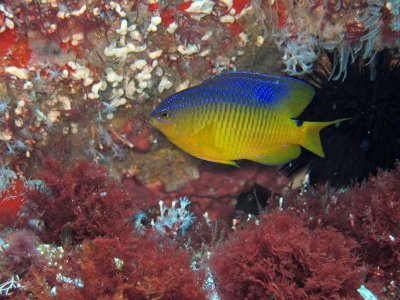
(301, 94)
(283, 93)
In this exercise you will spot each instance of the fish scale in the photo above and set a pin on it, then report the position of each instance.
(241, 115)
(243, 135)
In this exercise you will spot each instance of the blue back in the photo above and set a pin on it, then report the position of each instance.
(239, 88)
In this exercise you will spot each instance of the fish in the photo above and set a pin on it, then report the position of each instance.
(241, 116)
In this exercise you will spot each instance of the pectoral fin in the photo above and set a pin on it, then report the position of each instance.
(205, 135)
(278, 155)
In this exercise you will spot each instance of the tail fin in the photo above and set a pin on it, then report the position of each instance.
(311, 139)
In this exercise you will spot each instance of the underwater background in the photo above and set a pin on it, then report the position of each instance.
(95, 203)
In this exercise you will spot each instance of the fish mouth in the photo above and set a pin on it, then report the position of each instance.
(154, 122)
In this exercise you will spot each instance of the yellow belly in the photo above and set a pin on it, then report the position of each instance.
(246, 134)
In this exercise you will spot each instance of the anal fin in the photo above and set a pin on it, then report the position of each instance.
(278, 155)
(225, 162)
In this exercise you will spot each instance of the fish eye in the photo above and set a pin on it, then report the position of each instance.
(164, 114)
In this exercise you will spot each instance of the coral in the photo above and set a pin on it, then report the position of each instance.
(299, 53)
(53, 23)
(369, 140)
(283, 259)
(82, 203)
(100, 60)
(7, 287)
(4, 106)
(171, 220)
(347, 28)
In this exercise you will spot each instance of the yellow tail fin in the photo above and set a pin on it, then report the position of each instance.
(311, 138)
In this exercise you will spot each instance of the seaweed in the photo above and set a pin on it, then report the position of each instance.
(82, 203)
(138, 267)
(20, 253)
(282, 258)
(367, 212)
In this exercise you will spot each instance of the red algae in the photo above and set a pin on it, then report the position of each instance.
(138, 133)
(323, 250)
(8, 39)
(283, 259)
(11, 200)
(236, 28)
(239, 5)
(14, 50)
(21, 252)
(135, 268)
(167, 16)
(367, 212)
(82, 204)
